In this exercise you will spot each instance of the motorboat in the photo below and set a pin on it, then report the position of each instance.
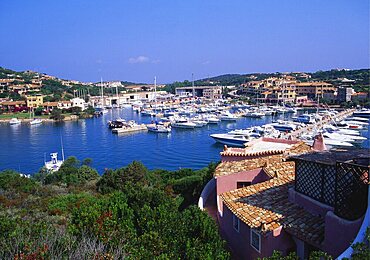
(291, 110)
(309, 139)
(362, 113)
(118, 123)
(159, 128)
(213, 120)
(345, 138)
(231, 139)
(227, 116)
(360, 119)
(199, 122)
(14, 121)
(333, 129)
(255, 114)
(183, 123)
(352, 125)
(249, 132)
(148, 113)
(284, 126)
(54, 164)
(305, 118)
(36, 121)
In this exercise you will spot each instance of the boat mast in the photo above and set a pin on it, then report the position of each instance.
(283, 99)
(61, 141)
(118, 103)
(102, 91)
(192, 84)
(155, 95)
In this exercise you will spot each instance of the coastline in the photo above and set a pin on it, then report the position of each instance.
(26, 120)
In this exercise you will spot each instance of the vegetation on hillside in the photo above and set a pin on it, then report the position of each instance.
(128, 212)
(361, 77)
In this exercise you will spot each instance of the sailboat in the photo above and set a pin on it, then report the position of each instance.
(158, 128)
(54, 164)
(100, 107)
(35, 121)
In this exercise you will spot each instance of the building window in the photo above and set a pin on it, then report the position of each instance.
(241, 184)
(236, 223)
(255, 240)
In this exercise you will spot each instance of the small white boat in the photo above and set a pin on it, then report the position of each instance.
(199, 122)
(213, 120)
(228, 117)
(54, 164)
(147, 113)
(291, 110)
(36, 121)
(305, 118)
(255, 114)
(159, 129)
(183, 123)
(235, 140)
(14, 121)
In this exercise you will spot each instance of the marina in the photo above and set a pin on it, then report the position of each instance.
(189, 147)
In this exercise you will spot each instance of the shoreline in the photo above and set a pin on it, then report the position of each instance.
(27, 120)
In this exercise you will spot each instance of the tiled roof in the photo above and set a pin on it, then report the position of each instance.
(297, 148)
(226, 168)
(232, 167)
(266, 206)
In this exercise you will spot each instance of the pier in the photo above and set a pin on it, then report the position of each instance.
(319, 125)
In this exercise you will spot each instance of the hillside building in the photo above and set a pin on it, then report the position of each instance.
(34, 101)
(209, 92)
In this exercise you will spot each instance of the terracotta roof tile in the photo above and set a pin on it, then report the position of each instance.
(266, 204)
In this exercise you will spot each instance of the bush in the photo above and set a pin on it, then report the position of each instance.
(11, 180)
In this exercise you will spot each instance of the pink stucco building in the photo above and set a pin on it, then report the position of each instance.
(291, 199)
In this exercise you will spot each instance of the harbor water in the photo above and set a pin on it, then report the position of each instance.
(24, 148)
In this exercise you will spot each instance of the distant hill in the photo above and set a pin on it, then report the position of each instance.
(360, 78)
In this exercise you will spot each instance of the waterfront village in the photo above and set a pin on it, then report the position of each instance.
(289, 187)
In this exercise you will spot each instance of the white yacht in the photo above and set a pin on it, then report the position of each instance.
(333, 129)
(362, 113)
(360, 119)
(305, 118)
(199, 122)
(284, 126)
(14, 121)
(159, 128)
(36, 121)
(227, 116)
(183, 123)
(54, 164)
(309, 139)
(235, 140)
(255, 114)
(148, 113)
(345, 138)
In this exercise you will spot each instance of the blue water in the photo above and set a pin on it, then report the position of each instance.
(23, 147)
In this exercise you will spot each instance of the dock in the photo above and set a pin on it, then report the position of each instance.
(136, 128)
(319, 125)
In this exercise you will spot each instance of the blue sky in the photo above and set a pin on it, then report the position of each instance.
(137, 40)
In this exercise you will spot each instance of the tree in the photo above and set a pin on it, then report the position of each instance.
(38, 111)
(56, 114)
